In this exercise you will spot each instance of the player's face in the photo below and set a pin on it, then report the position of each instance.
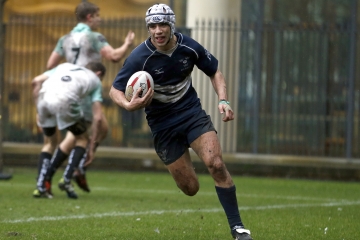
(95, 20)
(160, 36)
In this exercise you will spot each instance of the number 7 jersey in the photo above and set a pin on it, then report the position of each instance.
(81, 45)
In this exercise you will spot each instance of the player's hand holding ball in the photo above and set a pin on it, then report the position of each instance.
(139, 90)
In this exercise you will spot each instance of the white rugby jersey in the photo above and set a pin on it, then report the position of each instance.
(71, 83)
(81, 45)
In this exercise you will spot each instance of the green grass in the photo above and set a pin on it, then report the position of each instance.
(135, 205)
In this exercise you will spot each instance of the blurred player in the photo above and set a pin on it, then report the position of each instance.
(173, 109)
(83, 44)
(80, 46)
(60, 103)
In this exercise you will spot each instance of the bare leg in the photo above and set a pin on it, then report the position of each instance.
(182, 170)
(207, 147)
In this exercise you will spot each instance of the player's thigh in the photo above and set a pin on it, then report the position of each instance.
(70, 117)
(50, 140)
(183, 172)
(182, 167)
(68, 143)
(79, 130)
(207, 147)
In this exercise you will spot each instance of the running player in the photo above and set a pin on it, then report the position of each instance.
(173, 109)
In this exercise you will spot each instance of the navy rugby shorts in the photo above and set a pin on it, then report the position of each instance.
(170, 144)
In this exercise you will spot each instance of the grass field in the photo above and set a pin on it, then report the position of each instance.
(135, 205)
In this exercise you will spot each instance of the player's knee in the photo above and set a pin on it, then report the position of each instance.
(189, 189)
(50, 144)
(216, 166)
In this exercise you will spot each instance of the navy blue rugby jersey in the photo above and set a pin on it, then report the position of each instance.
(174, 99)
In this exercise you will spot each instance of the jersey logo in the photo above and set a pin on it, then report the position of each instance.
(162, 155)
(159, 71)
(102, 38)
(185, 62)
(66, 79)
(208, 54)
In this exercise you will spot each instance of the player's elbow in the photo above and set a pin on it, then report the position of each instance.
(33, 83)
(36, 82)
(110, 54)
(50, 65)
(114, 57)
(113, 95)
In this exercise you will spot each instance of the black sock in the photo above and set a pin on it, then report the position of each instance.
(58, 159)
(43, 155)
(44, 162)
(74, 160)
(81, 167)
(227, 197)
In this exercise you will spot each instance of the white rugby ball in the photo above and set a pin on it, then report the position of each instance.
(140, 79)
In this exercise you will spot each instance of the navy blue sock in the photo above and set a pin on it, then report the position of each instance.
(74, 160)
(44, 163)
(43, 155)
(57, 160)
(227, 197)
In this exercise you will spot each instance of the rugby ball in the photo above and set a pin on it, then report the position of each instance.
(140, 79)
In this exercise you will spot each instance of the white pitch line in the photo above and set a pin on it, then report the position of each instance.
(160, 212)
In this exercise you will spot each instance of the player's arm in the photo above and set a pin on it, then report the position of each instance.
(57, 54)
(36, 84)
(117, 54)
(218, 82)
(136, 102)
(96, 134)
(54, 60)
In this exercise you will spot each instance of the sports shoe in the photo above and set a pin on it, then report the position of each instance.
(68, 187)
(240, 233)
(47, 184)
(38, 194)
(80, 180)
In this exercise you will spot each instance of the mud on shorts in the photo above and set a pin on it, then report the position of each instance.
(170, 144)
